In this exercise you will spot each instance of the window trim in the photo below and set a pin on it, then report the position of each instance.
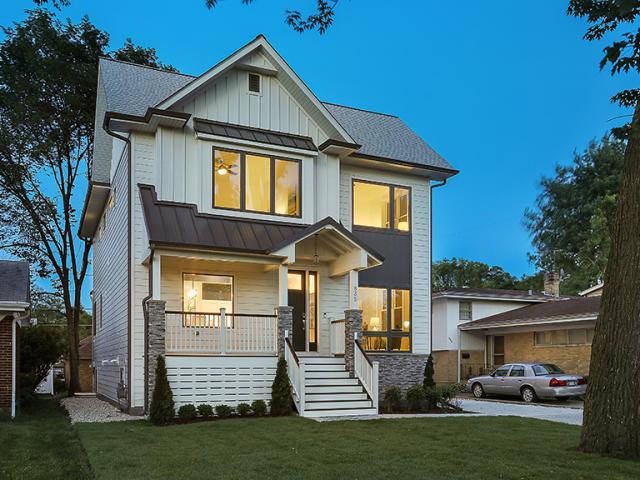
(460, 319)
(392, 213)
(243, 187)
(389, 334)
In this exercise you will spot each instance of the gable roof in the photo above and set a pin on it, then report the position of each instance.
(555, 311)
(14, 282)
(493, 294)
(132, 89)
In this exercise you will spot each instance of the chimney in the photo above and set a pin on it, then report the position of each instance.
(552, 284)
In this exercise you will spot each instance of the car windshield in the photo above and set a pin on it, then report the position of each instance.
(546, 369)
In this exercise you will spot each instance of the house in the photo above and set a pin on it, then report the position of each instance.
(458, 354)
(85, 368)
(14, 314)
(234, 218)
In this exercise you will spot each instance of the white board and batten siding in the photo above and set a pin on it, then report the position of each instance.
(421, 255)
(226, 380)
(110, 284)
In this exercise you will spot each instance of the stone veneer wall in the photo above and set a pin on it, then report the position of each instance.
(399, 370)
(285, 322)
(352, 327)
(156, 339)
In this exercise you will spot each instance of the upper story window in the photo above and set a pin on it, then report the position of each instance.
(256, 183)
(254, 83)
(381, 206)
(466, 312)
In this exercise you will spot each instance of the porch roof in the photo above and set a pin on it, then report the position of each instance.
(181, 224)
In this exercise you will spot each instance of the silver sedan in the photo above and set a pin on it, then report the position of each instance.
(530, 381)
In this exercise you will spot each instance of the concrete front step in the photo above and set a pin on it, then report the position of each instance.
(334, 397)
(324, 367)
(333, 389)
(337, 405)
(345, 412)
(309, 382)
(327, 374)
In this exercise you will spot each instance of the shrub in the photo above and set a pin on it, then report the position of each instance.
(392, 399)
(205, 411)
(416, 398)
(428, 373)
(443, 397)
(40, 347)
(281, 391)
(224, 411)
(259, 408)
(243, 409)
(187, 412)
(162, 409)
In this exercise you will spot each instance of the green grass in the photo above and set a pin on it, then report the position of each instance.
(282, 448)
(41, 444)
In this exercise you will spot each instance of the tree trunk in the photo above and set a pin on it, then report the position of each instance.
(73, 334)
(612, 407)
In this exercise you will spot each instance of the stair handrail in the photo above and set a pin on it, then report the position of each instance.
(296, 372)
(366, 371)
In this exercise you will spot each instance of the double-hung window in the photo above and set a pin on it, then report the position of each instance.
(382, 206)
(386, 319)
(256, 183)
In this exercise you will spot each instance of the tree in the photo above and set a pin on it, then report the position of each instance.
(48, 74)
(574, 212)
(321, 18)
(162, 410)
(281, 391)
(428, 381)
(612, 406)
(458, 272)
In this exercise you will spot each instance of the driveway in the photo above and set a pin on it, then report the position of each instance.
(569, 415)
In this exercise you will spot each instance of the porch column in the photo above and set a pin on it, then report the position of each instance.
(285, 323)
(352, 329)
(353, 289)
(155, 339)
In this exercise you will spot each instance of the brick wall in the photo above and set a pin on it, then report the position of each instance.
(6, 333)
(445, 363)
(519, 347)
(85, 373)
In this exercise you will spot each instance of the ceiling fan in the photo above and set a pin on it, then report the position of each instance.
(223, 168)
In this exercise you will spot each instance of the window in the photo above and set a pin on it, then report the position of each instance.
(466, 313)
(206, 294)
(517, 371)
(579, 336)
(502, 371)
(254, 83)
(381, 206)
(385, 329)
(256, 183)
(546, 369)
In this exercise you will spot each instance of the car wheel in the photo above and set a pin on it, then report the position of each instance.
(477, 390)
(528, 394)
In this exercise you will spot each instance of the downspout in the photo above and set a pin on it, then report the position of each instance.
(431, 187)
(127, 141)
(145, 312)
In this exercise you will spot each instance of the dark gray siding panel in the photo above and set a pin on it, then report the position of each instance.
(395, 271)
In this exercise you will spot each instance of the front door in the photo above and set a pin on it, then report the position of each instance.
(298, 300)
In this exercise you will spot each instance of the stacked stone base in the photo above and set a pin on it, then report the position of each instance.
(399, 370)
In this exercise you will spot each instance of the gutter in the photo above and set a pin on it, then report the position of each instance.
(431, 187)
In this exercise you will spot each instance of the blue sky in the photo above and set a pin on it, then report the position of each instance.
(503, 90)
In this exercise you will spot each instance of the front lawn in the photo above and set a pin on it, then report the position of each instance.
(282, 448)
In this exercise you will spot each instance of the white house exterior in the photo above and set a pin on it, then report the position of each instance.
(235, 217)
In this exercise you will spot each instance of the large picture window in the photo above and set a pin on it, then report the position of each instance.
(206, 294)
(256, 183)
(381, 206)
(384, 328)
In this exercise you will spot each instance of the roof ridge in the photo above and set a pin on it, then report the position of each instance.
(158, 69)
(361, 109)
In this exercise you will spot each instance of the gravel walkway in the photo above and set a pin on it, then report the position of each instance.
(91, 409)
(571, 416)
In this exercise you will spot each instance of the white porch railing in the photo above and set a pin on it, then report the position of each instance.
(367, 371)
(296, 371)
(337, 337)
(220, 333)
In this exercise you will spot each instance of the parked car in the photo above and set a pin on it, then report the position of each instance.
(530, 381)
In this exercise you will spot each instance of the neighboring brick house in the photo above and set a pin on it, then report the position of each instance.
(85, 370)
(14, 310)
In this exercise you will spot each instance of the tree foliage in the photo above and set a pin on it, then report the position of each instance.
(40, 347)
(458, 272)
(281, 401)
(571, 222)
(162, 408)
(48, 72)
(428, 381)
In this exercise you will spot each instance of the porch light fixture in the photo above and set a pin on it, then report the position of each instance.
(222, 170)
(316, 258)
(192, 293)
(406, 324)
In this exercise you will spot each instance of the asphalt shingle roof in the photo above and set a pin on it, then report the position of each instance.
(131, 89)
(498, 293)
(14, 281)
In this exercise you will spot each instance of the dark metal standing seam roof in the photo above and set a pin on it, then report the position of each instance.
(251, 134)
(14, 281)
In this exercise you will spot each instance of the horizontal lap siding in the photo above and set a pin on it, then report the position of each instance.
(220, 380)
(421, 257)
(110, 282)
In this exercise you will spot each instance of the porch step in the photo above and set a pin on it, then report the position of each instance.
(334, 397)
(333, 389)
(327, 374)
(310, 382)
(324, 367)
(321, 360)
(343, 412)
(337, 405)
